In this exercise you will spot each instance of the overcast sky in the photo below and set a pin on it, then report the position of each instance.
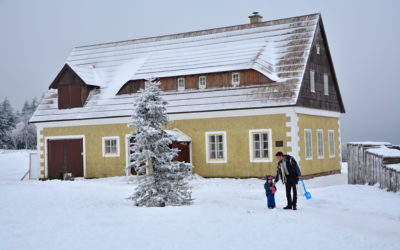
(364, 39)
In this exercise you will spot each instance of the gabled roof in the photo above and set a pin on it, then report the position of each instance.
(279, 49)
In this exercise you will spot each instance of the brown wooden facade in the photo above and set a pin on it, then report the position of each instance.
(72, 90)
(213, 80)
(320, 62)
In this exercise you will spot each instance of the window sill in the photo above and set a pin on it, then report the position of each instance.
(261, 160)
(216, 161)
(111, 155)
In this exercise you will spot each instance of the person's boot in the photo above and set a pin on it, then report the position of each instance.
(294, 207)
(288, 207)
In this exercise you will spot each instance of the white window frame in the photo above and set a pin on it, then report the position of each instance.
(308, 157)
(331, 139)
(326, 84)
(320, 144)
(318, 48)
(181, 87)
(202, 86)
(127, 149)
(104, 138)
(312, 81)
(215, 133)
(234, 82)
(251, 145)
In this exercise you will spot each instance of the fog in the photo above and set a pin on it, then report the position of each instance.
(363, 36)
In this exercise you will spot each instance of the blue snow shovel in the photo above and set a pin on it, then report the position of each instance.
(306, 194)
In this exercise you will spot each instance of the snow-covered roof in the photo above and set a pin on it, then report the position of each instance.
(369, 143)
(386, 152)
(278, 49)
(179, 135)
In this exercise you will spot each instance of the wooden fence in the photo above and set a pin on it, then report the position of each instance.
(374, 162)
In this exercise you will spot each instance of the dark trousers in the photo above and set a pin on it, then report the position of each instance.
(291, 185)
(271, 200)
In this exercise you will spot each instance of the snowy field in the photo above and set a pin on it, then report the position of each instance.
(227, 214)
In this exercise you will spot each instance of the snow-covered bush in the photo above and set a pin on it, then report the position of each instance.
(163, 181)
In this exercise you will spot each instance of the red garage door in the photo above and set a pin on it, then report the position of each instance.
(64, 156)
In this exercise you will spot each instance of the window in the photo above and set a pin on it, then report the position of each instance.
(318, 49)
(312, 81)
(320, 143)
(70, 96)
(235, 79)
(308, 143)
(260, 145)
(202, 82)
(216, 147)
(326, 87)
(111, 146)
(181, 83)
(331, 134)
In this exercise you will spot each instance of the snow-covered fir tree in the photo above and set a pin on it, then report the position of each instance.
(24, 134)
(7, 123)
(163, 182)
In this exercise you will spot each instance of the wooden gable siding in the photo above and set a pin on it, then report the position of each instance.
(213, 80)
(321, 64)
(72, 90)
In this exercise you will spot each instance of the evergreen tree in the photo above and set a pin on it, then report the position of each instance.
(24, 134)
(163, 181)
(7, 123)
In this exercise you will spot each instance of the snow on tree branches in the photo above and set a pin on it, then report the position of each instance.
(7, 123)
(162, 181)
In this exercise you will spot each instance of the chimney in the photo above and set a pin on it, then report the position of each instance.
(255, 18)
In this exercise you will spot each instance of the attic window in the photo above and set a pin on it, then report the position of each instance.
(235, 79)
(326, 86)
(312, 81)
(70, 96)
(202, 82)
(181, 84)
(318, 49)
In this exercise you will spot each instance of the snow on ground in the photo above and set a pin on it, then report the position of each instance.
(227, 214)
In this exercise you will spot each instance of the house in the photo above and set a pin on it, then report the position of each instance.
(237, 95)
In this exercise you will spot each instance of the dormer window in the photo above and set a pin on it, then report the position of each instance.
(181, 84)
(202, 82)
(72, 90)
(235, 79)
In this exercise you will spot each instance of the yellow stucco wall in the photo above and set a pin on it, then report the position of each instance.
(237, 134)
(96, 164)
(327, 163)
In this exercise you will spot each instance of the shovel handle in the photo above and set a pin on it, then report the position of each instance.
(304, 186)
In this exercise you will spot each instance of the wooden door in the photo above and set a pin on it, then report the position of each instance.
(64, 156)
(56, 162)
(184, 153)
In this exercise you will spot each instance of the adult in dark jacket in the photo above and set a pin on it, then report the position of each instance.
(289, 172)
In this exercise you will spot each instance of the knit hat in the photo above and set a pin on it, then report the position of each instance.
(268, 177)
